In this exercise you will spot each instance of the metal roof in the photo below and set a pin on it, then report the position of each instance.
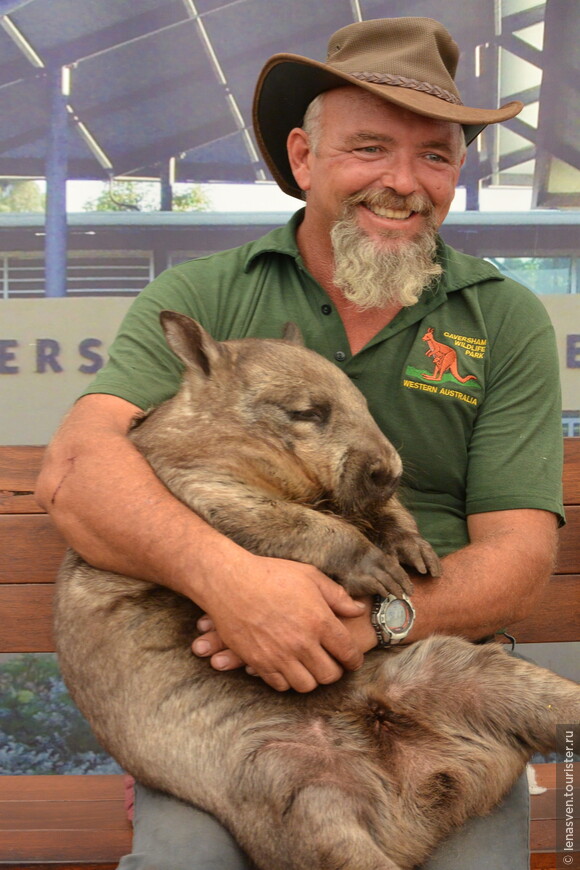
(144, 87)
(156, 80)
(168, 83)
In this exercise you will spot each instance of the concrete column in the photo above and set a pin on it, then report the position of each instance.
(56, 178)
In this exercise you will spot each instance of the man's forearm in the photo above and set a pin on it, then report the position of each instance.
(114, 511)
(494, 581)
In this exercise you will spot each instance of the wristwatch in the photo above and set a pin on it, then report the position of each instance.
(392, 619)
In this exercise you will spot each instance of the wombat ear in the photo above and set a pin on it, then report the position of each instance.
(193, 345)
(292, 334)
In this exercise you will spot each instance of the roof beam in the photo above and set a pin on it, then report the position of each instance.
(516, 158)
(523, 19)
(96, 150)
(526, 131)
(106, 39)
(231, 101)
(521, 49)
(356, 10)
(528, 96)
(172, 146)
(21, 42)
(141, 95)
(27, 167)
(119, 33)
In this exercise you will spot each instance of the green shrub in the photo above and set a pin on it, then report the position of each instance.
(41, 730)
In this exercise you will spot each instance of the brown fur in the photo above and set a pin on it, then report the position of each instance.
(275, 447)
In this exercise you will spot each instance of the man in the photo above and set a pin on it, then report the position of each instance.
(458, 366)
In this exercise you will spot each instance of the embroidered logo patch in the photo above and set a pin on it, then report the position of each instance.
(447, 366)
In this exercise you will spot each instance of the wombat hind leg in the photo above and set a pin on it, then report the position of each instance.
(331, 835)
(319, 830)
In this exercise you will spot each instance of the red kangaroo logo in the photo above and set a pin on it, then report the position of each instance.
(445, 359)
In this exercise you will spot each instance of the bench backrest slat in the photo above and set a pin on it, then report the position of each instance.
(571, 471)
(31, 550)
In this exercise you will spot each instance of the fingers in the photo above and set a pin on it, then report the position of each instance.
(275, 681)
(360, 628)
(301, 678)
(244, 628)
(311, 667)
(338, 598)
(207, 644)
(205, 623)
(227, 660)
(319, 667)
(342, 649)
(210, 645)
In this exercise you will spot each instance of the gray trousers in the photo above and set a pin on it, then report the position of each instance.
(171, 835)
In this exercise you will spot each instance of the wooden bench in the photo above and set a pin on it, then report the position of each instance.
(60, 822)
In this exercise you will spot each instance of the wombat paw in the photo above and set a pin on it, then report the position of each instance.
(377, 572)
(418, 554)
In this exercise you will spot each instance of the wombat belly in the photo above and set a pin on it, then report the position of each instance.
(124, 649)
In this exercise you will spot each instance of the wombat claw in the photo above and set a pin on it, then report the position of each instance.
(418, 554)
(377, 573)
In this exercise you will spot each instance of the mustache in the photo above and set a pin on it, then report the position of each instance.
(387, 198)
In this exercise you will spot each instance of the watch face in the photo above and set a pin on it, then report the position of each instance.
(398, 615)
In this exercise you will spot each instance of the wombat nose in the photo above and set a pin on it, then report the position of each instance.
(382, 476)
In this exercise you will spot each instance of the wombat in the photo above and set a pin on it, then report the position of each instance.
(366, 774)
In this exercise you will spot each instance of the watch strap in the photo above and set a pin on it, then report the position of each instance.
(382, 641)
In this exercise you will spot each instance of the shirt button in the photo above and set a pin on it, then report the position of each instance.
(340, 356)
(326, 309)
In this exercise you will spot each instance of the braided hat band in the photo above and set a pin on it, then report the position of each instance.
(408, 62)
(404, 82)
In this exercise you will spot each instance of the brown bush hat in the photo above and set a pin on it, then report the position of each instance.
(410, 62)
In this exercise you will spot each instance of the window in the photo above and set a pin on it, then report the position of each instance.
(543, 275)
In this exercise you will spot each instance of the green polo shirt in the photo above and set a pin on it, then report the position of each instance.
(465, 383)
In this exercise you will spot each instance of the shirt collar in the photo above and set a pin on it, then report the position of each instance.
(459, 270)
(282, 240)
(462, 270)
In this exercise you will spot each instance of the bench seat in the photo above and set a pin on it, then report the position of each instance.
(63, 821)
(74, 822)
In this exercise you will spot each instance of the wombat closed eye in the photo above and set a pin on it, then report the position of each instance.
(275, 447)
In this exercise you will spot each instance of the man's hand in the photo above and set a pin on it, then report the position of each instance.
(287, 625)
(211, 645)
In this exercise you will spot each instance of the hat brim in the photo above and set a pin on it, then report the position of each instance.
(288, 84)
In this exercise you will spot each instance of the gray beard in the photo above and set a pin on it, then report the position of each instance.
(373, 276)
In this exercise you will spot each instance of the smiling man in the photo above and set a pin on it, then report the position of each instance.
(458, 365)
(379, 181)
